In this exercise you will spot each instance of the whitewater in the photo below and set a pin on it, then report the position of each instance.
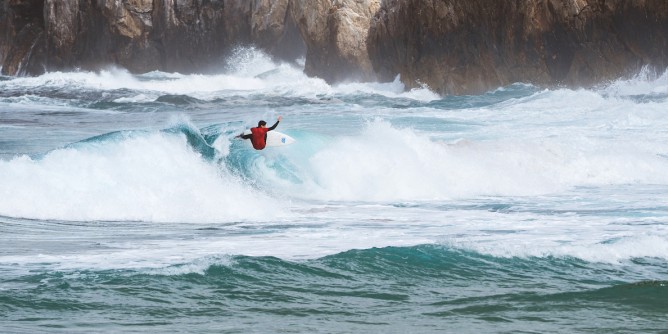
(126, 204)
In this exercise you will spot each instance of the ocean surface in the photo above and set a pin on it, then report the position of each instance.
(127, 205)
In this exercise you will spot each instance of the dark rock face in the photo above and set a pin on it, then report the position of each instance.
(453, 46)
(21, 36)
(187, 35)
(335, 34)
(140, 35)
(462, 47)
(274, 29)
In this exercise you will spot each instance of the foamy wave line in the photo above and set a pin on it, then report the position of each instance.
(157, 177)
(384, 163)
(614, 252)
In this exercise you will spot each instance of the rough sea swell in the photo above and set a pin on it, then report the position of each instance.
(389, 290)
(127, 205)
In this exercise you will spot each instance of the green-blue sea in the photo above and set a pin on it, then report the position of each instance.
(128, 205)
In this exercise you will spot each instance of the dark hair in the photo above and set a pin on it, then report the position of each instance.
(261, 123)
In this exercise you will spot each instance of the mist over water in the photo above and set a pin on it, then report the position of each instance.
(554, 195)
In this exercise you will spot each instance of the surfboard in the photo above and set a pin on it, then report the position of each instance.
(275, 138)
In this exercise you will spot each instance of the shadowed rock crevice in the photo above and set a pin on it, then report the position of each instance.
(335, 34)
(21, 37)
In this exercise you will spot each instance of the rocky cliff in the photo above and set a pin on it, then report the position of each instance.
(140, 35)
(453, 46)
(471, 46)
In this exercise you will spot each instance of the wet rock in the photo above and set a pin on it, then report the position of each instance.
(21, 37)
(140, 35)
(453, 46)
(465, 47)
(274, 29)
(335, 33)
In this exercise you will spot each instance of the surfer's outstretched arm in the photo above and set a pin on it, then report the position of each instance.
(275, 124)
(243, 136)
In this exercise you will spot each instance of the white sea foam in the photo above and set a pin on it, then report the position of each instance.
(394, 89)
(135, 99)
(544, 148)
(198, 266)
(592, 241)
(647, 82)
(147, 178)
(384, 163)
(250, 71)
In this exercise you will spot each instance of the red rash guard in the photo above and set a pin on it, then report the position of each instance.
(259, 137)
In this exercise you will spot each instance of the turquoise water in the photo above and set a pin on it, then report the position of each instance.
(126, 205)
(394, 289)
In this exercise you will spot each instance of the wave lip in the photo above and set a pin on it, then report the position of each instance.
(151, 177)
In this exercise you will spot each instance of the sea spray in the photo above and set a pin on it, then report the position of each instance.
(154, 177)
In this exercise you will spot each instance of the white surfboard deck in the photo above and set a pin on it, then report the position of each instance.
(275, 138)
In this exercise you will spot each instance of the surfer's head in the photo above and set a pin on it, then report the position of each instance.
(261, 124)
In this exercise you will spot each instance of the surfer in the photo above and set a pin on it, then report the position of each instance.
(258, 135)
